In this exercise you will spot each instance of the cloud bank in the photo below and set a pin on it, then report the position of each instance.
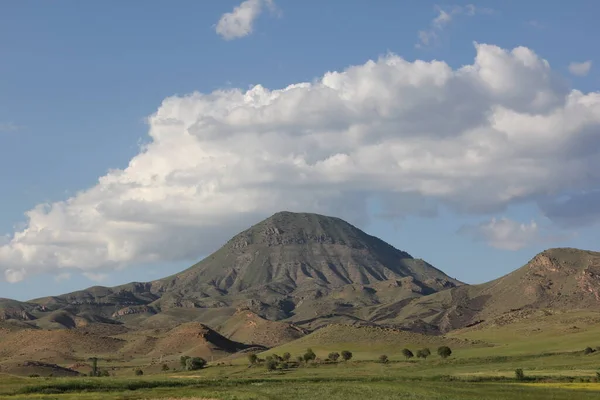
(500, 131)
(240, 22)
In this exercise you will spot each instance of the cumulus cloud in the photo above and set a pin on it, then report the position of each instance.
(240, 22)
(445, 15)
(580, 69)
(504, 233)
(411, 135)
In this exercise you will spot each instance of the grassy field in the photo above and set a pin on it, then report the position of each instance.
(549, 349)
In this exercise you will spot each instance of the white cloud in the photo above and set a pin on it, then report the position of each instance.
(580, 69)
(240, 22)
(95, 277)
(444, 17)
(63, 276)
(502, 130)
(504, 233)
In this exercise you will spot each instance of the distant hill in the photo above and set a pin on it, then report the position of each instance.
(560, 279)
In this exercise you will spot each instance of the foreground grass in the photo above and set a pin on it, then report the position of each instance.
(304, 389)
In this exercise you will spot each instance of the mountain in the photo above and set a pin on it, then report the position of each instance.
(306, 269)
(557, 279)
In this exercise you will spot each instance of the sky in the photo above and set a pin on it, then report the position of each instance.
(137, 137)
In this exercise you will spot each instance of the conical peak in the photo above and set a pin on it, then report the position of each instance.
(287, 228)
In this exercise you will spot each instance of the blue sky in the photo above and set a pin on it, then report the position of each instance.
(79, 80)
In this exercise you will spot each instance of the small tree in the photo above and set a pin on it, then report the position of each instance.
(286, 356)
(183, 361)
(165, 367)
(333, 356)
(271, 364)
(195, 363)
(407, 353)
(139, 372)
(309, 355)
(252, 358)
(444, 351)
(383, 359)
(94, 371)
(519, 374)
(346, 355)
(588, 350)
(423, 353)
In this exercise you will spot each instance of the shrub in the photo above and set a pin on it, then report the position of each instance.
(407, 353)
(588, 350)
(271, 364)
(519, 374)
(286, 356)
(284, 365)
(165, 367)
(252, 358)
(193, 364)
(104, 373)
(34, 376)
(383, 359)
(346, 355)
(299, 359)
(423, 353)
(183, 361)
(309, 355)
(333, 356)
(444, 351)
(597, 376)
(139, 372)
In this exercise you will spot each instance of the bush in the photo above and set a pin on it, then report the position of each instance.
(193, 364)
(383, 359)
(309, 355)
(252, 358)
(333, 356)
(104, 373)
(284, 365)
(407, 353)
(165, 367)
(423, 353)
(444, 351)
(286, 356)
(183, 361)
(139, 372)
(588, 350)
(271, 364)
(519, 374)
(34, 376)
(346, 355)
(299, 359)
